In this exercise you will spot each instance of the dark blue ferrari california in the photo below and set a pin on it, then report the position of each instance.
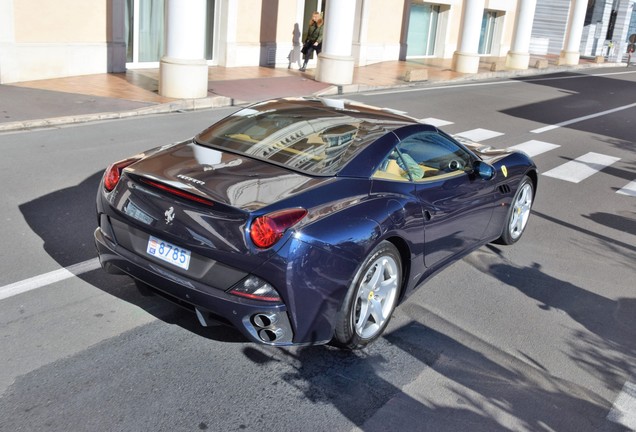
(305, 221)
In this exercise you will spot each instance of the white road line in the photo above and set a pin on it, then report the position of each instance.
(629, 189)
(579, 76)
(436, 122)
(515, 80)
(580, 119)
(623, 411)
(479, 134)
(48, 278)
(441, 87)
(533, 147)
(582, 167)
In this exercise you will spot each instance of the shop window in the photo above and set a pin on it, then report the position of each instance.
(145, 32)
(488, 26)
(422, 32)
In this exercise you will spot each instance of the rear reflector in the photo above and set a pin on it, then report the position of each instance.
(255, 288)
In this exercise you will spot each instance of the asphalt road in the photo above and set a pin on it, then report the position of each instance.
(539, 336)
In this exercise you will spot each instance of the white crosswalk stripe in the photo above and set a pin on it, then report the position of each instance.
(629, 189)
(479, 134)
(533, 147)
(436, 122)
(574, 171)
(582, 167)
(624, 410)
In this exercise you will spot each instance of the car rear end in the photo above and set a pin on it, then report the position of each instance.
(163, 221)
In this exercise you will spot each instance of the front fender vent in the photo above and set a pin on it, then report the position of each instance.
(504, 189)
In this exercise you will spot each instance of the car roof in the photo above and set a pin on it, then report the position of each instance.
(311, 135)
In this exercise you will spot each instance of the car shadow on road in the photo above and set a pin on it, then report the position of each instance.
(607, 343)
(65, 220)
(574, 89)
(441, 385)
(503, 391)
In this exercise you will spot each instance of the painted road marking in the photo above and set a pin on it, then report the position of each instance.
(436, 122)
(580, 119)
(582, 167)
(479, 134)
(519, 80)
(440, 87)
(48, 278)
(533, 147)
(630, 189)
(623, 411)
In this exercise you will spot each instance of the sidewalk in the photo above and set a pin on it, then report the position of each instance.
(53, 102)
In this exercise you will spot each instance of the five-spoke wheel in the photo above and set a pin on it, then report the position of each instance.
(371, 298)
(518, 213)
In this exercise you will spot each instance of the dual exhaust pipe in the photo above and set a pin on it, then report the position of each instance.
(267, 330)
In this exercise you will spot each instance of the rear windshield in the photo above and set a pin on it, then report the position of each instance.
(318, 142)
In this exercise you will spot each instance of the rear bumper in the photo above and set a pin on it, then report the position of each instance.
(261, 322)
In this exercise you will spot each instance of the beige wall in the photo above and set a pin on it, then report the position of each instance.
(385, 21)
(248, 26)
(287, 17)
(60, 21)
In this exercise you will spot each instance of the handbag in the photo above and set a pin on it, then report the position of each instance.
(306, 47)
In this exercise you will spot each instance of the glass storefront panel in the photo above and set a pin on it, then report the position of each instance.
(422, 30)
(487, 32)
(145, 32)
(151, 31)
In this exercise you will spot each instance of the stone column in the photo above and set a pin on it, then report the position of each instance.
(519, 55)
(466, 58)
(335, 62)
(183, 71)
(570, 53)
(116, 43)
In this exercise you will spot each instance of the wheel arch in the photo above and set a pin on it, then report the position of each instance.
(534, 177)
(405, 258)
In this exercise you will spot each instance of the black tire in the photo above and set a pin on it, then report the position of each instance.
(371, 298)
(518, 213)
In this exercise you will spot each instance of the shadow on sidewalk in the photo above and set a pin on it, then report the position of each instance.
(65, 221)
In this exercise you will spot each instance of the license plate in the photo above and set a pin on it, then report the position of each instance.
(168, 252)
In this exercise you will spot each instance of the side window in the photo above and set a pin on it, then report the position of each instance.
(434, 154)
(393, 168)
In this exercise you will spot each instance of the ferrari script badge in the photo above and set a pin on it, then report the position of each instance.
(169, 215)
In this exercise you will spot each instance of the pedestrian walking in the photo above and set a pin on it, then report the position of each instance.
(313, 39)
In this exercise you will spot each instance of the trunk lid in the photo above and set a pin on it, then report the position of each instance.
(235, 186)
(225, 178)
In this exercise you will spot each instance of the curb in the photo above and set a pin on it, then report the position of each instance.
(334, 90)
(179, 105)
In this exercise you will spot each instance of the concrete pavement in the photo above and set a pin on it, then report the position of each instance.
(55, 102)
(31, 105)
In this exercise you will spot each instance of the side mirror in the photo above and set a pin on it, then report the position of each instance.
(484, 170)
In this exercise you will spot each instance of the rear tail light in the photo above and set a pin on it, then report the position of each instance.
(255, 288)
(113, 172)
(268, 229)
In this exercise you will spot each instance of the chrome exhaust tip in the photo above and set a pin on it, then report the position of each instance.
(264, 320)
(271, 334)
(271, 327)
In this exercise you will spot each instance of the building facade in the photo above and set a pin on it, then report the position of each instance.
(607, 27)
(40, 39)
